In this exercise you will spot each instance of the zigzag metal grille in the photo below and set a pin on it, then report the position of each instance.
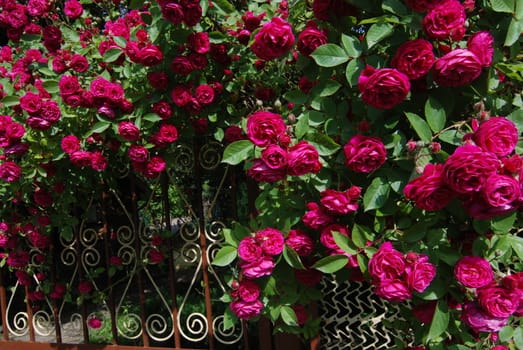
(351, 317)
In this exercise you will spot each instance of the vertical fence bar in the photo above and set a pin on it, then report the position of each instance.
(172, 272)
(108, 252)
(56, 311)
(3, 306)
(203, 241)
(83, 310)
(138, 247)
(29, 310)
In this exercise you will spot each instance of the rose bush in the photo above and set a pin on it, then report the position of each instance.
(383, 135)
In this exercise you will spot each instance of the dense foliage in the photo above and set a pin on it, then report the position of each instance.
(384, 136)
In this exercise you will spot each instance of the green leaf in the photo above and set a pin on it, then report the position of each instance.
(98, 128)
(519, 10)
(452, 137)
(517, 245)
(440, 321)
(506, 333)
(331, 264)
(361, 235)
(288, 316)
(376, 194)
(344, 243)
(329, 55)
(229, 319)
(69, 34)
(420, 126)
(435, 114)
(518, 337)
(503, 224)
(224, 5)
(323, 144)
(237, 152)
(152, 117)
(225, 256)
(395, 7)
(292, 258)
(51, 86)
(10, 101)
(377, 32)
(112, 54)
(328, 87)
(295, 96)
(302, 126)
(436, 290)
(506, 6)
(353, 71)
(515, 28)
(352, 45)
(120, 41)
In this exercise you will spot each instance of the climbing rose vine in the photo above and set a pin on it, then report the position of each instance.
(383, 138)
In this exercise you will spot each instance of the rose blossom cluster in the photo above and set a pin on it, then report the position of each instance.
(246, 301)
(493, 302)
(256, 252)
(178, 12)
(42, 112)
(11, 134)
(484, 174)
(194, 100)
(71, 145)
(396, 276)
(278, 158)
(445, 21)
(273, 40)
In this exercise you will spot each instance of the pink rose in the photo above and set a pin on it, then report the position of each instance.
(316, 216)
(233, 133)
(50, 111)
(73, 9)
(477, 207)
(204, 94)
(364, 154)
(259, 268)
(424, 312)
(85, 287)
(129, 131)
(477, 319)
(341, 202)
(498, 301)
(138, 153)
(328, 9)
(10, 171)
(79, 63)
(457, 68)
(270, 240)
(482, 45)
(167, 134)
(429, 191)
(249, 250)
(303, 158)
(265, 128)
(498, 135)
(38, 240)
(394, 290)
(31, 102)
(158, 80)
(387, 263)
(274, 157)
(468, 167)
(199, 42)
(150, 55)
(181, 95)
(155, 256)
(420, 274)
(308, 277)
(473, 271)
(248, 291)
(98, 161)
(310, 39)
(414, 58)
(273, 40)
(383, 88)
(326, 237)
(94, 323)
(500, 190)
(68, 85)
(422, 5)
(446, 21)
(172, 11)
(163, 109)
(246, 310)
(260, 172)
(181, 65)
(300, 242)
(17, 259)
(252, 22)
(154, 167)
(80, 158)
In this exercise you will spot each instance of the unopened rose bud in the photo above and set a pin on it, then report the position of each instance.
(479, 106)
(291, 118)
(435, 147)
(412, 145)
(277, 104)
(259, 103)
